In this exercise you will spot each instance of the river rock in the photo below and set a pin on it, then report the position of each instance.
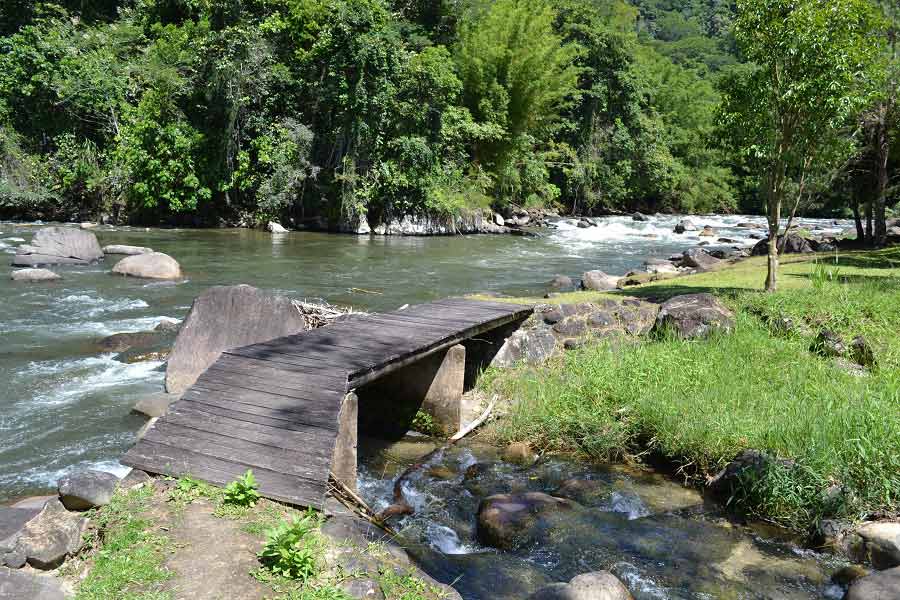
(12, 523)
(570, 327)
(882, 543)
(59, 246)
(747, 465)
(694, 316)
(155, 405)
(34, 275)
(794, 245)
(685, 225)
(227, 317)
(600, 585)
(362, 589)
(707, 232)
(274, 227)
(661, 266)
(531, 346)
(884, 585)
(23, 585)
(639, 217)
(87, 489)
(519, 453)
(120, 342)
(499, 220)
(697, 258)
(828, 343)
(126, 250)
(598, 281)
(561, 283)
(155, 265)
(505, 520)
(51, 536)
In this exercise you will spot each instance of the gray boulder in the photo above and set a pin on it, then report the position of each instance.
(694, 316)
(154, 265)
(12, 522)
(639, 217)
(34, 275)
(794, 245)
(87, 489)
(561, 283)
(828, 343)
(155, 405)
(884, 585)
(506, 520)
(600, 585)
(531, 346)
(222, 318)
(126, 250)
(697, 258)
(362, 589)
(598, 281)
(120, 342)
(51, 536)
(22, 585)
(59, 246)
(882, 543)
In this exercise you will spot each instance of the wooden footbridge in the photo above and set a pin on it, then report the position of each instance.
(286, 408)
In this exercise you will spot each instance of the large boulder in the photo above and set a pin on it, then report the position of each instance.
(505, 520)
(154, 265)
(226, 317)
(531, 346)
(155, 405)
(274, 227)
(59, 246)
(881, 543)
(87, 489)
(561, 283)
(693, 316)
(22, 585)
(598, 281)
(884, 585)
(700, 259)
(120, 342)
(34, 275)
(794, 245)
(600, 585)
(126, 250)
(51, 536)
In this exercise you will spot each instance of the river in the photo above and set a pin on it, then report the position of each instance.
(64, 406)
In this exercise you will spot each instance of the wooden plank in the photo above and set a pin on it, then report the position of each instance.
(161, 458)
(240, 380)
(315, 414)
(189, 414)
(254, 455)
(337, 357)
(286, 376)
(507, 307)
(249, 413)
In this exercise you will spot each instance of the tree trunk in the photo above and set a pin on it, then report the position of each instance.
(857, 218)
(881, 180)
(869, 233)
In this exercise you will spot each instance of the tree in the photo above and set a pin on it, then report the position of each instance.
(812, 60)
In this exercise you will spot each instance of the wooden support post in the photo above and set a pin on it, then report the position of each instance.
(344, 461)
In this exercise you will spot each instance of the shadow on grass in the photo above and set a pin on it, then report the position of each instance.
(661, 293)
(888, 258)
(882, 281)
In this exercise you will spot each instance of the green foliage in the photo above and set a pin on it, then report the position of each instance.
(242, 491)
(424, 423)
(187, 489)
(293, 549)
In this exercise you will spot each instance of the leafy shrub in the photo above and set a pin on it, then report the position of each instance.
(424, 423)
(242, 491)
(292, 549)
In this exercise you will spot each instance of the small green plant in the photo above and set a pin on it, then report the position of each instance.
(189, 489)
(242, 491)
(424, 423)
(292, 548)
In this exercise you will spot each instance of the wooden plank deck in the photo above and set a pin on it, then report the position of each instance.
(273, 407)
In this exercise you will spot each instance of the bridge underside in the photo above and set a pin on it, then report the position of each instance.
(284, 408)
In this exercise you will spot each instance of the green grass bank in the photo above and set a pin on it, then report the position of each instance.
(697, 404)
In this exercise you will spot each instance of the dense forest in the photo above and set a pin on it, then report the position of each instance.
(211, 112)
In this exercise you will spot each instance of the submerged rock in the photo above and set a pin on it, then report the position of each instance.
(694, 316)
(600, 585)
(505, 520)
(227, 317)
(34, 275)
(155, 265)
(51, 536)
(126, 250)
(59, 246)
(87, 489)
(884, 585)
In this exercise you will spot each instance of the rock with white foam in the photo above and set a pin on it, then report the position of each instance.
(154, 265)
(34, 275)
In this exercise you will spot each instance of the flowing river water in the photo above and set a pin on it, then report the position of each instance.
(66, 406)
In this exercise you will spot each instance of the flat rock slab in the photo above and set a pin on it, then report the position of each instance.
(34, 275)
(59, 246)
(51, 536)
(13, 521)
(126, 250)
(22, 585)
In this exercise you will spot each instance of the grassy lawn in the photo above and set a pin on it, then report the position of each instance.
(699, 403)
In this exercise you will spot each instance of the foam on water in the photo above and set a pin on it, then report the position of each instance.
(92, 307)
(446, 540)
(14, 239)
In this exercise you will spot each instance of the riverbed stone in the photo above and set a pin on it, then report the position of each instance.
(154, 265)
(87, 489)
(639, 217)
(24, 585)
(561, 283)
(598, 281)
(505, 520)
(707, 232)
(883, 585)
(155, 405)
(700, 259)
(120, 342)
(274, 227)
(793, 245)
(694, 316)
(685, 225)
(34, 275)
(746, 466)
(599, 585)
(531, 346)
(59, 246)
(12, 523)
(51, 536)
(226, 317)
(519, 453)
(126, 250)
(882, 543)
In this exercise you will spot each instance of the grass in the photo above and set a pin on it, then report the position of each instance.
(127, 556)
(699, 403)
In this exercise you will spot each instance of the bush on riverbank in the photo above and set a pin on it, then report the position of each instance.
(699, 403)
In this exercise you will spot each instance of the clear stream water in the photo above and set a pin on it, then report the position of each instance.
(65, 406)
